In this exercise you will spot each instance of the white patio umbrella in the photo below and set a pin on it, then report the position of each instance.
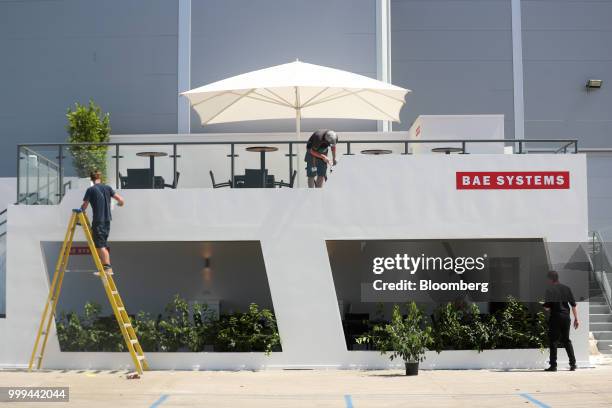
(296, 90)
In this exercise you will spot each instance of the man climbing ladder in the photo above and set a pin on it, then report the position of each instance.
(99, 196)
(125, 325)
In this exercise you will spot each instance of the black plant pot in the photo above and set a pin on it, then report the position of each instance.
(412, 368)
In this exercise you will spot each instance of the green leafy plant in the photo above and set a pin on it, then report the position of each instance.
(254, 330)
(175, 330)
(147, 331)
(90, 332)
(87, 124)
(518, 328)
(407, 337)
(183, 327)
(462, 328)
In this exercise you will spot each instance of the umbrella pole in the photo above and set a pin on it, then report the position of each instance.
(298, 120)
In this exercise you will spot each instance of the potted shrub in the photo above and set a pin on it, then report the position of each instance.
(87, 124)
(406, 337)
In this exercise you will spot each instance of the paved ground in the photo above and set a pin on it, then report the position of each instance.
(357, 389)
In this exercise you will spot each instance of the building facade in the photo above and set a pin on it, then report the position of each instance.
(526, 59)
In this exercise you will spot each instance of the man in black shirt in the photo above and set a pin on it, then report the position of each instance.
(99, 196)
(557, 301)
(316, 156)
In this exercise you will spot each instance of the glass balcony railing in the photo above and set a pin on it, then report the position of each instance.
(45, 170)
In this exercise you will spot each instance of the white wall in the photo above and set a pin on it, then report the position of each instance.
(8, 191)
(383, 197)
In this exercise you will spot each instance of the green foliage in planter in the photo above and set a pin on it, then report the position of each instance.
(87, 124)
(517, 328)
(146, 330)
(458, 328)
(406, 337)
(175, 330)
(181, 328)
(254, 330)
(89, 333)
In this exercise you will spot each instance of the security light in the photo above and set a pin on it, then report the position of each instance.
(594, 83)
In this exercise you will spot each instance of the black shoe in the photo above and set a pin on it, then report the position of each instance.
(551, 368)
(573, 368)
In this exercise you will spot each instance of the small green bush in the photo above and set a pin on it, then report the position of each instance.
(87, 124)
(254, 330)
(90, 332)
(407, 337)
(464, 328)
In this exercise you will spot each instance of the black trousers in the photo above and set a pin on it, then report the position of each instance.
(558, 333)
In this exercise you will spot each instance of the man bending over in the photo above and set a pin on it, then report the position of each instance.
(317, 157)
(99, 196)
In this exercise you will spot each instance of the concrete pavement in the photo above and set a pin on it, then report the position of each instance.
(330, 388)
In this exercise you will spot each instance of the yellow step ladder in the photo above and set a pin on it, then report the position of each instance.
(125, 325)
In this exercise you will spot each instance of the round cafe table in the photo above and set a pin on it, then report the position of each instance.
(262, 150)
(376, 152)
(447, 150)
(152, 156)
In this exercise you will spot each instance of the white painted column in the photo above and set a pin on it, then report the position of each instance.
(383, 49)
(517, 70)
(184, 65)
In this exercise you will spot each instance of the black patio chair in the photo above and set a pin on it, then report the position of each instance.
(218, 185)
(282, 183)
(174, 182)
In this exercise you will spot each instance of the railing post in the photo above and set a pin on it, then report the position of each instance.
(520, 142)
(405, 147)
(463, 144)
(27, 176)
(348, 149)
(48, 183)
(575, 146)
(117, 180)
(290, 161)
(61, 172)
(174, 156)
(232, 169)
(37, 181)
(18, 171)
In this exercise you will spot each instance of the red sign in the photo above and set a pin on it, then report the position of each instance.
(513, 180)
(76, 250)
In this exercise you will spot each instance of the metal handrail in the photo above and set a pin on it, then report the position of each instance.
(520, 143)
(602, 271)
(43, 157)
(383, 141)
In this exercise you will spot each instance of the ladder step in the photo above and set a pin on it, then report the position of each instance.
(114, 292)
(127, 324)
(140, 358)
(134, 341)
(121, 308)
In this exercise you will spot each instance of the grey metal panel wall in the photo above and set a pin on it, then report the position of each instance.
(231, 37)
(122, 54)
(599, 168)
(564, 44)
(456, 56)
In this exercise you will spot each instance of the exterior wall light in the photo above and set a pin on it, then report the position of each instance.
(594, 83)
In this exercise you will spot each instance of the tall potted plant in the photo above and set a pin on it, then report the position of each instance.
(406, 337)
(87, 124)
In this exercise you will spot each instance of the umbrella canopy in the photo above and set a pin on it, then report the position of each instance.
(296, 90)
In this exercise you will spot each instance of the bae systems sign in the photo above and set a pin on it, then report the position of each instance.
(513, 180)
